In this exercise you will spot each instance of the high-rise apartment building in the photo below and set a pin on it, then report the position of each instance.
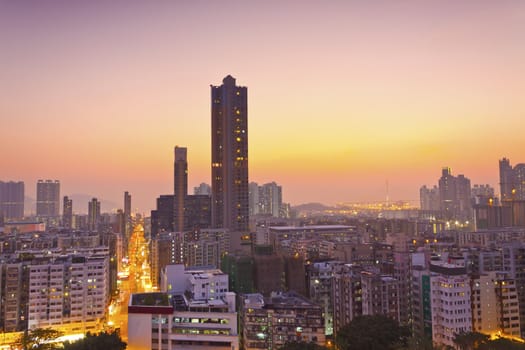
(266, 199)
(93, 214)
(127, 214)
(512, 180)
(162, 216)
(70, 292)
(380, 295)
(453, 196)
(429, 198)
(14, 283)
(451, 307)
(12, 199)
(270, 322)
(229, 155)
(47, 198)
(67, 212)
(202, 189)
(180, 187)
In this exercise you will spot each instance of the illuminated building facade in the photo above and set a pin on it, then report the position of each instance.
(69, 293)
(380, 295)
(158, 321)
(14, 295)
(450, 302)
(229, 156)
(512, 180)
(269, 323)
(346, 296)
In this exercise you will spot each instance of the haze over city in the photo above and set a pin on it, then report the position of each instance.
(342, 96)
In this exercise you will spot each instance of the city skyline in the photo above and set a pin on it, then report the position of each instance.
(343, 97)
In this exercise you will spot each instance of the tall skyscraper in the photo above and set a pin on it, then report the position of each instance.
(266, 199)
(180, 186)
(67, 212)
(93, 214)
(512, 180)
(229, 155)
(12, 199)
(47, 198)
(127, 215)
(455, 196)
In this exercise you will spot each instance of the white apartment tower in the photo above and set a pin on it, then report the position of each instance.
(450, 302)
(68, 292)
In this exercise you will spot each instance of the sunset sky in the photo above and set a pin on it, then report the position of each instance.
(343, 95)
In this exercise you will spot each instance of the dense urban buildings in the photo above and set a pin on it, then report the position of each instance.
(229, 156)
(12, 200)
(181, 281)
(181, 212)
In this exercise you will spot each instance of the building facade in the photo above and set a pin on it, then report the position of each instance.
(67, 212)
(12, 199)
(69, 293)
(269, 323)
(229, 155)
(180, 186)
(512, 180)
(93, 214)
(47, 198)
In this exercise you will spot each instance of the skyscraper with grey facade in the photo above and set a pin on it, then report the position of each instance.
(12, 199)
(180, 186)
(67, 212)
(47, 198)
(93, 214)
(512, 180)
(229, 155)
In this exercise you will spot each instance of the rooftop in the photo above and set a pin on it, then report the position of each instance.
(150, 299)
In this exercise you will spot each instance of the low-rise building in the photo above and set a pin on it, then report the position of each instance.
(161, 321)
(269, 323)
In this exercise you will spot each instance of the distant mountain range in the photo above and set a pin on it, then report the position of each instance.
(80, 204)
(311, 207)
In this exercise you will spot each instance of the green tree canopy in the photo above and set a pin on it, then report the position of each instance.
(470, 340)
(103, 340)
(301, 345)
(39, 339)
(376, 332)
(501, 344)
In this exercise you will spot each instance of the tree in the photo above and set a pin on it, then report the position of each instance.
(301, 345)
(39, 339)
(470, 340)
(420, 343)
(103, 340)
(376, 332)
(502, 344)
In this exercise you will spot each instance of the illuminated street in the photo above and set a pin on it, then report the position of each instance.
(134, 277)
